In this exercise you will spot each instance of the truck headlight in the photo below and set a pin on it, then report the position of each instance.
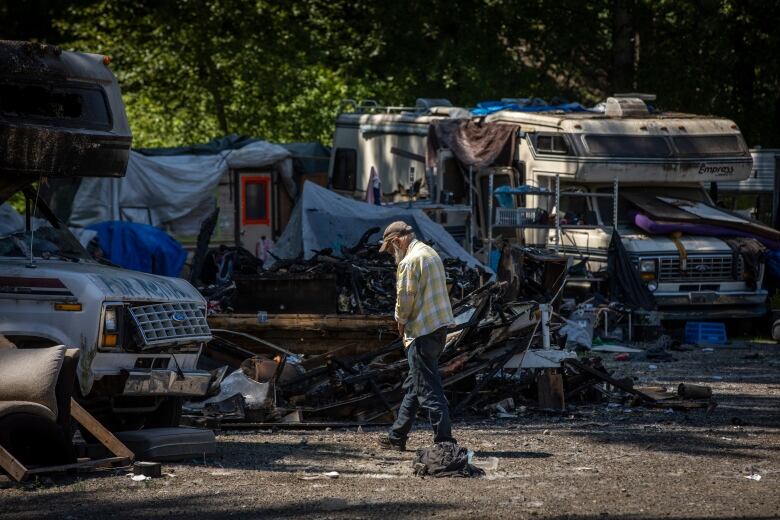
(109, 320)
(647, 269)
(111, 324)
(647, 266)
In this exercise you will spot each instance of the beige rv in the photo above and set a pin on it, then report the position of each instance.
(390, 139)
(393, 141)
(628, 152)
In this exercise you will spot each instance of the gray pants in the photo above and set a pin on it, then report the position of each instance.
(423, 389)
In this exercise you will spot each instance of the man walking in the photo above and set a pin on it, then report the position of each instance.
(423, 313)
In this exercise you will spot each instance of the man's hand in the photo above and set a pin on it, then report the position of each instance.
(401, 329)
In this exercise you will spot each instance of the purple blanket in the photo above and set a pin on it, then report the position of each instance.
(652, 227)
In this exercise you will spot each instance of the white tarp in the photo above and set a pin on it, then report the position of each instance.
(175, 191)
(324, 219)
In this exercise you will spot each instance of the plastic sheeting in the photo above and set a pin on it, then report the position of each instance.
(171, 190)
(485, 108)
(323, 219)
(141, 248)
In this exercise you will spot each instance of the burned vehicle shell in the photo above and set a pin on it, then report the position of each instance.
(61, 113)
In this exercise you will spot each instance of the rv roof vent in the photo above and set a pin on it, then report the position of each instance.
(625, 107)
(424, 104)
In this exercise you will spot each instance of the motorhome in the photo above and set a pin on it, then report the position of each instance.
(757, 196)
(139, 336)
(582, 162)
(392, 141)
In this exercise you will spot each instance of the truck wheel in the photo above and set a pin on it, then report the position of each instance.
(168, 415)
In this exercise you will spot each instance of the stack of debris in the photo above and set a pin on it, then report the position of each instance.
(358, 280)
(497, 357)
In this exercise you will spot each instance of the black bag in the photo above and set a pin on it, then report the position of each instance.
(445, 459)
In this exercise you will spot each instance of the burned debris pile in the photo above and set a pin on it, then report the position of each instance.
(494, 362)
(356, 280)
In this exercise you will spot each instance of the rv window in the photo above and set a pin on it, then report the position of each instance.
(688, 145)
(551, 143)
(345, 169)
(75, 106)
(627, 146)
(256, 199)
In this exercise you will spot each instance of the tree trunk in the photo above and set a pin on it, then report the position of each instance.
(210, 76)
(623, 45)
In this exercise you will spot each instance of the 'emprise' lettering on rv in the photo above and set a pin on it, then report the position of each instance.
(719, 171)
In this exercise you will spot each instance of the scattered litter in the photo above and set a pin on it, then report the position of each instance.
(320, 476)
(622, 357)
(708, 350)
(652, 367)
(754, 476)
(489, 464)
(138, 478)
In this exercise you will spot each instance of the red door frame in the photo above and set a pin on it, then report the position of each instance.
(256, 179)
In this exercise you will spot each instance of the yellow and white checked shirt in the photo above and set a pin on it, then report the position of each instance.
(422, 304)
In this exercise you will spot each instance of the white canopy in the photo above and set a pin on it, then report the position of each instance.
(172, 190)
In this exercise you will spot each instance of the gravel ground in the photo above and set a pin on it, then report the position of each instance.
(592, 463)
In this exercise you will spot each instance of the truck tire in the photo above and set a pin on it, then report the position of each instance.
(168, 415)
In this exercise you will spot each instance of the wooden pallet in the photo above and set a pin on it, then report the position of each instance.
(122, 455)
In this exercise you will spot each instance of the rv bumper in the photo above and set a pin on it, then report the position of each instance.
(167, 383)
(711, 304)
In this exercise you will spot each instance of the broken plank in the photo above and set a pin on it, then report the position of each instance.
(14, 468)
(100, 432)
(89, 464)
(607, 378)
(298, 322)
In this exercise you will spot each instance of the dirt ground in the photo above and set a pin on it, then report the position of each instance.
(594, 462)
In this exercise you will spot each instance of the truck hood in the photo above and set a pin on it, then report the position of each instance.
(639, 244)
(73, 279)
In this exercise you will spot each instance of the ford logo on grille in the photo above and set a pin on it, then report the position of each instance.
(178, 316)
(701, 268)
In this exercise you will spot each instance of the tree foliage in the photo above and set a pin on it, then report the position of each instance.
(195, 69)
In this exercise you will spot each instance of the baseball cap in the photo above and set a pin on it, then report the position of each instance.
(396, 229)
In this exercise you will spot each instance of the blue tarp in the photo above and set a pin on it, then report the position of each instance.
(485, 108)
(140, 247)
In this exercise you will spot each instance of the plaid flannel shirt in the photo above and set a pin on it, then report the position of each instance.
(422, 303)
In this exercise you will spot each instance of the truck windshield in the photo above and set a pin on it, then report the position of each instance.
(48, 240)
(625, 207)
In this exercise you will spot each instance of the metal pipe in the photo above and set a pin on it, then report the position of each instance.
(490, 217)
(558, 235)
(545, 310)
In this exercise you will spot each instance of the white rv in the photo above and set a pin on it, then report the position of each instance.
(756, 196)
(393, 141)
(390, 139)
(640, 155)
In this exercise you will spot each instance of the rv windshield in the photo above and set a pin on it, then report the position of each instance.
(625, 207)
(48, 241)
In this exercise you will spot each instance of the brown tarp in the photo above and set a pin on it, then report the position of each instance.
(473, 143)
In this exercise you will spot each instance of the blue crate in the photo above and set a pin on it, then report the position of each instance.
(698, 332)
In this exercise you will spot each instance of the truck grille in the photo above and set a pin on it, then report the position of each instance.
(699, 268)
(161, 323)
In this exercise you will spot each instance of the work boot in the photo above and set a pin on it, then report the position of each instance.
(387, 443)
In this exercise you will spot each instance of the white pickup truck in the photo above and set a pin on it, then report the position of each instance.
(139, 335)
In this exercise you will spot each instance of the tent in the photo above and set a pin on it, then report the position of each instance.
(174, 187)
(324, 219)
